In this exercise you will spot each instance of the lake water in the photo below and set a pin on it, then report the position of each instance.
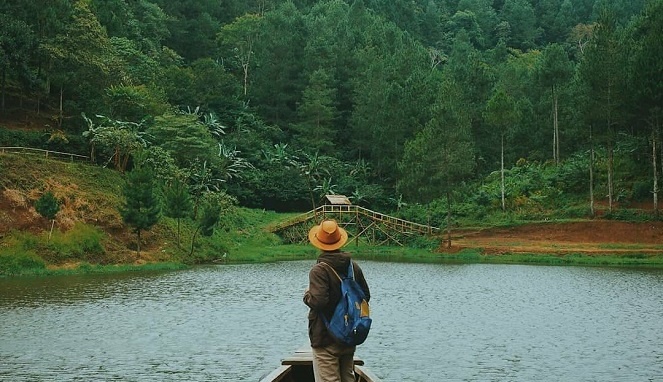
(432, 322)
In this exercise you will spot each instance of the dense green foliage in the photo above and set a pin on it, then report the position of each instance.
(177, 203)
(97, 241)
(280, 102)
(142, 209)
(47, 205)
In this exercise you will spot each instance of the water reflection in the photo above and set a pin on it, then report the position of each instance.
(431, 322)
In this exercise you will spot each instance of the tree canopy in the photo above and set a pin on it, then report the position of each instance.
(362, 81)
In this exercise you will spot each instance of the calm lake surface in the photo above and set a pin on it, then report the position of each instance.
(432, 322)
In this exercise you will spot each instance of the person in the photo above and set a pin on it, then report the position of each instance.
(332, 360)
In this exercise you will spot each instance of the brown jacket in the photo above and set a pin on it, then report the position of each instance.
(324, 292)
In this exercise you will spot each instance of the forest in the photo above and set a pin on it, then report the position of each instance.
(505, 105)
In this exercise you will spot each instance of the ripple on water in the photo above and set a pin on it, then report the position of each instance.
(431, 322)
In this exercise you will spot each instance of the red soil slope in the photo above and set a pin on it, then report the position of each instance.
(591, 237)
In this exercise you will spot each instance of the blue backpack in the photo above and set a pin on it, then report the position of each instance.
(351, 322)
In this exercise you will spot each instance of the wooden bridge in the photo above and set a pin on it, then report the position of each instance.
(372, 227)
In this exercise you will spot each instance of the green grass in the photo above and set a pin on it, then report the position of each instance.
(100, 245)
(632, 247)
(474, 256)
(19, 262)
(87, 268)
(82, 242)
(642, 260)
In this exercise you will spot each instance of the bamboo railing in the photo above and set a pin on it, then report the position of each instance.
(364, 222)
(42, 152)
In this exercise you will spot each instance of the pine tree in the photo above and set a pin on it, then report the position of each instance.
(440, 156)
(141, 210)
(554, 70)
(601, 71)
(648, 66)
(315, 132)
(501, 112)
(48, 206)
(178, 203)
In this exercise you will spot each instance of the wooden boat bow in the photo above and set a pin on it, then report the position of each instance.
(299, 368)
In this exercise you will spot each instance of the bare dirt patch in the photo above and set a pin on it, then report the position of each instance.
(591, 237)
(16, 213)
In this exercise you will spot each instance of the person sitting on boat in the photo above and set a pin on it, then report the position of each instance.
(332, 360)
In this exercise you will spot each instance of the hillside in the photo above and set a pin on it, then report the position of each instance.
(89, 230)
(89, 195)
(273, 90)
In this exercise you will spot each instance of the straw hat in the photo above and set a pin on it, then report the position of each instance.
(328, 236)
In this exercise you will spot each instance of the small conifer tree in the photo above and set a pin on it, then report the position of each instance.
(141, 209)
(177, 203)
(48, 206)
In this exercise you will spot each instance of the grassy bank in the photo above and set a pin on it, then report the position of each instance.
(474, 256)
(90, 237)
(466, 256)
(254, 250)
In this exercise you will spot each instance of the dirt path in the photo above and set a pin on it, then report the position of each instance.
(594, 237)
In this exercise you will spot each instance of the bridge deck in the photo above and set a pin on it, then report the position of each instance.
(364, 222)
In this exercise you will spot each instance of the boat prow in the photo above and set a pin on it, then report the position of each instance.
(299, 368)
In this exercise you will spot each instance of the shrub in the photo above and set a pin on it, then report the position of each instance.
(44, 139)
(632, 215)
(47, 205)
(642, 190)
(22, 241)
(422, 214)
(82, 242)
(207, 251)
(424, 242)
(20, 262)
(576, 212)
(22, 138)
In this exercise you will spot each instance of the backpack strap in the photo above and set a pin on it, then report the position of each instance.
(351, 270)
(333, 270)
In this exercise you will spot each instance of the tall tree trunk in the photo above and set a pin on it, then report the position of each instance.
(554, 140)
(61, 112)
(556, 123)
(660, 147)
(660, 150)
(125, 162)
(591, 172)
(654, 140)
(246, 78)
(611, 155)
(502, 175)
(310, 194)
(116, 159)
(245, 68)
(448, 219)
(193, 240)
(4, 78)
(610, 175)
